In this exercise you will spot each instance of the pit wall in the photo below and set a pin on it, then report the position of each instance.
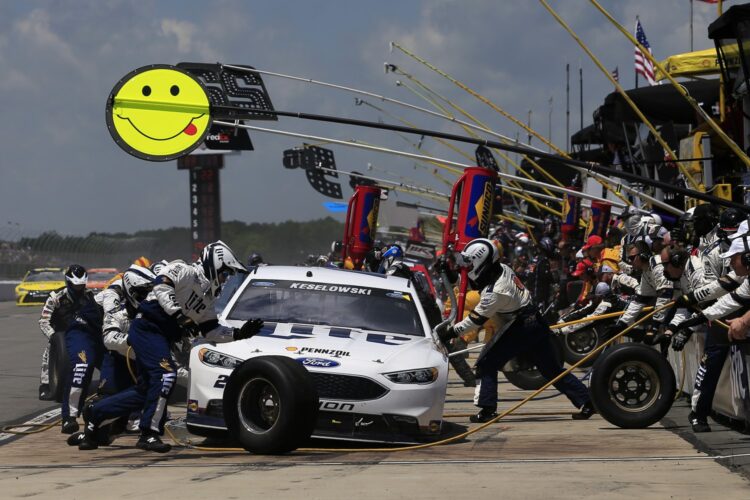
(732, 397)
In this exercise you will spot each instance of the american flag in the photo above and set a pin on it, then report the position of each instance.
(616, 74)
(642, 64)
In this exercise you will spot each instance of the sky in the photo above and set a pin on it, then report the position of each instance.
(60, 169)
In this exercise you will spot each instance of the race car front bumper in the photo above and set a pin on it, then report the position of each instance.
(369, 411)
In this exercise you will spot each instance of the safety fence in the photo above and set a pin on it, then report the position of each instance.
(53, 250)
(288, 242)
(732, 398)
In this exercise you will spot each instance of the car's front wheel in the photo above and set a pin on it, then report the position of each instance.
(270, 405)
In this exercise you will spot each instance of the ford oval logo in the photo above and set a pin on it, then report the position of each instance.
(318, 362)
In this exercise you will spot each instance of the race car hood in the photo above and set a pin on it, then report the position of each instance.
(342, 345)
(39, 286)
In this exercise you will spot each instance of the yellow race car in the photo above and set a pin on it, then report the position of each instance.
(37, 285)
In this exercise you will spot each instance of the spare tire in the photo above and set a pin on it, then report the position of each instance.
(579, 344)
(270, 405)
(58, 365)
(521, 371)
(632, 386)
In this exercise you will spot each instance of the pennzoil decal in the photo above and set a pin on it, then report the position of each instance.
(328, 352)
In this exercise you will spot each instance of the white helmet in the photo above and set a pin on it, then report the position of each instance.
(656, 218)
(156, 267)
(480, 255)
(522, 238)
(137, 282)
(601, 289)
(217, 259)
(631, 220)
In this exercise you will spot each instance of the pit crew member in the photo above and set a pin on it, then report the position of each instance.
(521, 329)
(717, 342)
(182, 300)
(57, 314)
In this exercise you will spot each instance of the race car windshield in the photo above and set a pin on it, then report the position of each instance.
(45, 276)
(286, 301)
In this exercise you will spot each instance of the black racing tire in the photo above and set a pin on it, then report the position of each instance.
(632, 386)
(525, 375)
(578, 344)
(528, 379)
(270, 405)
(58, 365)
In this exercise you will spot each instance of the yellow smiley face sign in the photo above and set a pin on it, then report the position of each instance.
(158, 113)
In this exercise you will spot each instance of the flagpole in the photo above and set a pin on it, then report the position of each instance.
(691, 25)
(580, 86)
(634, 68)
(567, 106)
(549, 126)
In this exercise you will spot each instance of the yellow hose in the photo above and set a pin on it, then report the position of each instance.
(463, 434)
(593, 318)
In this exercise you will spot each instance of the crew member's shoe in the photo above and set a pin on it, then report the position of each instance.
(484, 415)
(45, 394)
(89, 441)
(587, 411)
(75, 439)
(152, 443)
(698, 424)
(70, 425)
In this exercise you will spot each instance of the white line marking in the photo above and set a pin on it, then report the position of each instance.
(28, 425)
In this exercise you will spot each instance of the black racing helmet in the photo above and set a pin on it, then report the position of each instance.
(547, 246)
(730, 220)
(76, 278)
(705, 218)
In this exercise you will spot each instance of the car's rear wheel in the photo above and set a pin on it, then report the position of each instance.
(57, 365)
(522, 372)
(270, 405)
(579, 344)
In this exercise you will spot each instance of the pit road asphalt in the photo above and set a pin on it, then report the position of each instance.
(539, 453)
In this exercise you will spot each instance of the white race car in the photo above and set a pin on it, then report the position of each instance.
(374, 372)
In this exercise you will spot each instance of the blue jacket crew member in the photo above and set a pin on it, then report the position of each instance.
(521, 330)
(182, 300)
(57, 314)
(83, 342)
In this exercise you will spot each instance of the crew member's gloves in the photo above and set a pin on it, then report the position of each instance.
(614, 329)
(664, 336)
(681, 338)
(446, 333)
(687, 300)
(250, 328)
(188, 325)
(653, 334)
